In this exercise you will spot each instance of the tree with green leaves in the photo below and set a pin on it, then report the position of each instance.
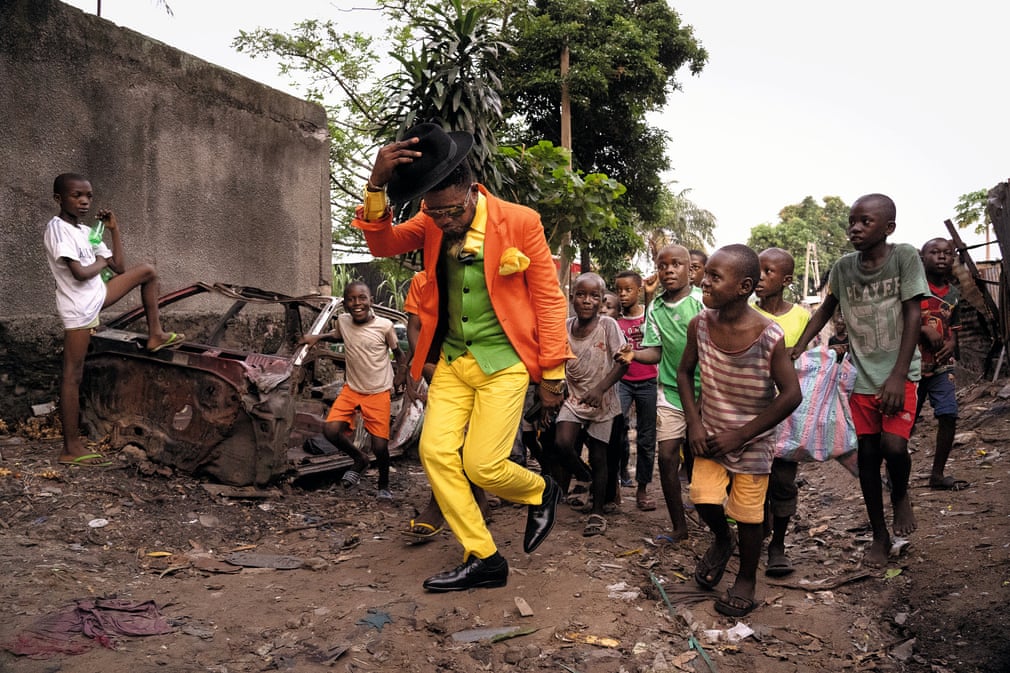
(624, 59)
(682, 222)
(802, 223)
(448, 57)
(971, 211)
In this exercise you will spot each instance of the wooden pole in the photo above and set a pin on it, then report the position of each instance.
(565, 264)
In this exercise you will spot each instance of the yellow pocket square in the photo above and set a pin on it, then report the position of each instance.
(513, 261)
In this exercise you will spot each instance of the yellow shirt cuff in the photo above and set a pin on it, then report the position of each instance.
(375, 205)
(554, 373)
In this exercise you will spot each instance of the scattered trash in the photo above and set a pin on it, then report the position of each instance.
(732, 635)
(524, 608)
(988, 457)
(713, 636)
(903, 651)
(962, 438)
(43, 409)
(898, 547)
(98, 523)
(739, 632)
(891, 572)
(376, 619)
(588, 639)
(622, 591)
(492, 634)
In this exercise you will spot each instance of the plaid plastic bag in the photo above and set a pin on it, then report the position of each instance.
(821, 427)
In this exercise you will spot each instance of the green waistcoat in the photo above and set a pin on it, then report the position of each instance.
(473, 325)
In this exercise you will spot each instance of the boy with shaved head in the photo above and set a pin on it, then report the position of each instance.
(938, 344)
(663, 342)
(748, 386)
(777, 267)
(879, 289)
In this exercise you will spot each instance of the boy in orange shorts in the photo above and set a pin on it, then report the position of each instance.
(748, 386)
(368, 340)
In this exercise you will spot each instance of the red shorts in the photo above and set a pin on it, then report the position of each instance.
(868, 420)
(374, 410)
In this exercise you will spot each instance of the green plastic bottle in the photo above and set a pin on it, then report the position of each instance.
(95, 236)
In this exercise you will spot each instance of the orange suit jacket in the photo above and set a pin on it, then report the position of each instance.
(529, 305)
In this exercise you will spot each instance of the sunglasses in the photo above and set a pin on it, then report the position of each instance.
(450, 211)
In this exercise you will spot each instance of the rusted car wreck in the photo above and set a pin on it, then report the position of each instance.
(238, 399)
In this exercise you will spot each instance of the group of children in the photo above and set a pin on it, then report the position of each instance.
(709, 373)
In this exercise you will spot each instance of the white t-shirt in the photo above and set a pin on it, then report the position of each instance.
(78, 302)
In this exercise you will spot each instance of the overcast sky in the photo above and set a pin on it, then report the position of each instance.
(798, 98)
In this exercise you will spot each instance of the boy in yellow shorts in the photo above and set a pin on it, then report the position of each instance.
(748, 386)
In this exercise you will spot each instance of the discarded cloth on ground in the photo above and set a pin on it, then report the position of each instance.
(79, 626)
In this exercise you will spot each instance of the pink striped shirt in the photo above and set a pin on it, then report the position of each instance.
(736, 387)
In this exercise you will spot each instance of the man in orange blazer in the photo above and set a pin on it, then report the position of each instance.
(492, 318)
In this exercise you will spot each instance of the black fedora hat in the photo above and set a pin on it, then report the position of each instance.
(440, 153)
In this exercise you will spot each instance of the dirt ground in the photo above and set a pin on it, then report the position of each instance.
(355, 603)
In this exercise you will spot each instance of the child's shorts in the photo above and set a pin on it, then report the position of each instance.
(868, 420)
(746, 501)
(670, 424)
(374, 410)
(599, 430)
(940, 390)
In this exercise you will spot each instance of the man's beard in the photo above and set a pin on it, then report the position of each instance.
(452, 246)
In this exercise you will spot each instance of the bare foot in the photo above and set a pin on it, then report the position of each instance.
(678, 534)
(904, 518)
(876, 555)
(431, 515)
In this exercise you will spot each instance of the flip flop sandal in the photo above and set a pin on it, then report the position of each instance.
(174, 339)
(87, 460)
(714, 566)
(949, 484)
(779, 566)
(420, 531)
(350, 479)
(732, 605)
(579, 497)
(595, 525)
(610, 508)
(578, 500)
(645, 504)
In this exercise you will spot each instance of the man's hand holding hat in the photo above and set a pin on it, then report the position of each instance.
(390, 156)
(411, 167)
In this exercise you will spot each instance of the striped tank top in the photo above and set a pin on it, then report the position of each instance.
(736, 387)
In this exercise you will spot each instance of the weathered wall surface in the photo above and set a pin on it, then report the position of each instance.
(213, 176)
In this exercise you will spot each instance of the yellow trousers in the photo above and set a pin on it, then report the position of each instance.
(481, 413)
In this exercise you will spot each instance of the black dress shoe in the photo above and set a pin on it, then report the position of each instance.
(492, 571)
(540, 518)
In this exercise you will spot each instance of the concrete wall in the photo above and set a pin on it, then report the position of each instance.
(213, 176)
